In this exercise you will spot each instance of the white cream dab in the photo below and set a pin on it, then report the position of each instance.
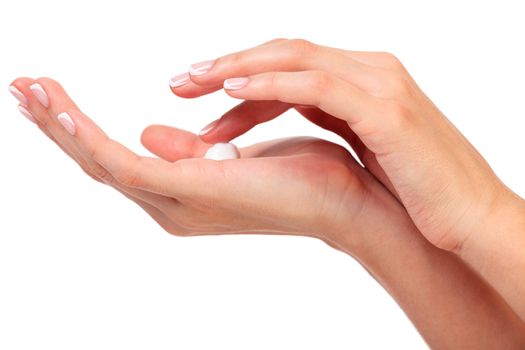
(221, 151)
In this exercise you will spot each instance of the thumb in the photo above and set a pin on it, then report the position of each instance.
(171, 143)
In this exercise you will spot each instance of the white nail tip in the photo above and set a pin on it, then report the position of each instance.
(40, 94)
(67, 122)
(222, 151)
(37, 86)
(200, 70)
(18, 94)
(179, 82)
(26, 113)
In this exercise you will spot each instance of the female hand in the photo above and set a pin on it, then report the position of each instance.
(300, 186)
(402, 138)
(292, 186)
(450, 192)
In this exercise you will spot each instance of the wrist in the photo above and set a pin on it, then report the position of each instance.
(373, 244)
(504, 222)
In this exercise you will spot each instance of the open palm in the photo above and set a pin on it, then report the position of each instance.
(299, 185)
(303, 185)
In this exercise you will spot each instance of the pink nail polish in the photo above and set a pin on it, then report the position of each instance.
(26, 113)
(209, 127)
(179, 80)
(201, 67)
(18, 95)
(235, 83)
(67, 122)
(40, 94)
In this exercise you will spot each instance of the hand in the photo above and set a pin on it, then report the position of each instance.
(293, 186)
(401, 137)
(300, 186)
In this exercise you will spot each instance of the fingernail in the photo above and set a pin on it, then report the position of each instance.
(235, 83)
(208, 127)
(18, 95)
(201, 67)
(67, 122)
(40, 94)
(26, 113)
(179, 80)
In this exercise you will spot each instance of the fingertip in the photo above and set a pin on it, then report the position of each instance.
(21, 81)
(234, 93)
(216, 135)
(192, 90)
(148, 134)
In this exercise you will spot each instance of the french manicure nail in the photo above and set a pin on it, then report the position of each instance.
(18, 95)
(235, 83)
(201, 67)
(179, 80)
(208, 127)
(40, 94)
(67, 122)
(26, 113)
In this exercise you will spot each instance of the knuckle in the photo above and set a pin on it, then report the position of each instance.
(390, 60)
(236, 59)
(95, 151)
(273, 81)
(301, 47)
(400, 116)
(276, 40)
(128, 177)
(320, 82)
(399, 85)
(101, 173)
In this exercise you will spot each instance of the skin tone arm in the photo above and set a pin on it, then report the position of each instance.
(448, 303)
(450, 192)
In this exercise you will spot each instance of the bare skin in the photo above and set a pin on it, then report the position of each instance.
(448, 189)
(356, 209)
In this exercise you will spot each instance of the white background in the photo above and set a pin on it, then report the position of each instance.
(81, 267)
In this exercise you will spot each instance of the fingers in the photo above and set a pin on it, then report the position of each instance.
(316, 88)
(343, 80)
(172, 144)
(279, 55)
(181, 85)
(242, 118)
(250, 113)
(59, 118)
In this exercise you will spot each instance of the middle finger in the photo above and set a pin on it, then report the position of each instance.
(283, 56)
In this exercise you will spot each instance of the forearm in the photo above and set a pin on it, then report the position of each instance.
(448, 303)
(497, 251)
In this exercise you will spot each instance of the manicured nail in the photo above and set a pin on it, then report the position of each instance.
(40, 94)
(235, 83)
(208, 127)
(179, 80)
(201, 67)
(18, 95)
(67, 122)
(26, 113)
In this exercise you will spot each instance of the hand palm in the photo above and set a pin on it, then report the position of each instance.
(294, 185)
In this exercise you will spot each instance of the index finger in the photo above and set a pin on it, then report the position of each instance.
(128, 168)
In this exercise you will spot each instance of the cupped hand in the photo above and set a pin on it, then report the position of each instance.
(370, 100)
(300, 186)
